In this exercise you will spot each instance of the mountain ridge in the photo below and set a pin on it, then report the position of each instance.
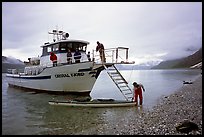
(11, 63)
(185, 62)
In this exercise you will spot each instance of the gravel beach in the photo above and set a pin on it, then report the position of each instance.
(185, 103)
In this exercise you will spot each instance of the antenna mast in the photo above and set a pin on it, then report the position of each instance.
(59, 34)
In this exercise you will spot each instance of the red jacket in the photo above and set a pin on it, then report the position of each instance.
(53, 57)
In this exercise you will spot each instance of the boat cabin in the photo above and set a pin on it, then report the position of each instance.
(60, 48)
(63, 46)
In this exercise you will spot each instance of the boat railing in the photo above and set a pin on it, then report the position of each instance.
(117, 55)
(34, 70)
(15, 71)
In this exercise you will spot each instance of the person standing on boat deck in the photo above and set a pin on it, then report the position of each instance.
(88, 56)
(100, 48)
(138, 92)
(53, 58)
(77, 56)
(69, 56)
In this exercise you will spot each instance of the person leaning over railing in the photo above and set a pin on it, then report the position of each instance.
(100, 48)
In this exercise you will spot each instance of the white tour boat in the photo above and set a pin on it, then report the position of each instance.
(40, 74)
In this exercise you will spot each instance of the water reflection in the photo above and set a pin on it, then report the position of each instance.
(38, 117)
(65, 120)
(28, 113)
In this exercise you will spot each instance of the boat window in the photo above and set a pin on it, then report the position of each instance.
(56, 47)
(49, 49)
(63, 47)
(44, 51)
(80, 46)
(69, 45)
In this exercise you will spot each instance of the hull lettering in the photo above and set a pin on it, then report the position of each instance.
(69, 75)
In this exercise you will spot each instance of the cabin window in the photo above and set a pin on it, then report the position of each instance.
(69, 45)
(44, 51)
(49, 49)
(82, 47)
(55, 47)
(63, 47)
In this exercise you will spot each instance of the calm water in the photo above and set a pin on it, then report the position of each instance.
(29, 113)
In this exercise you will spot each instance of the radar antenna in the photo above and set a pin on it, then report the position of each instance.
(59, 35)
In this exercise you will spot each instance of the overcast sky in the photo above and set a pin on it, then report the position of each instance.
(153, 31)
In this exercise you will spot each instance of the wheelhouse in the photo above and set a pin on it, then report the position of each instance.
(63, 46)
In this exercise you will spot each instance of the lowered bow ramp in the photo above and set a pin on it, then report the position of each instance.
(120, 82)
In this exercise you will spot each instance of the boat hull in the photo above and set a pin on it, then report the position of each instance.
(74, 78)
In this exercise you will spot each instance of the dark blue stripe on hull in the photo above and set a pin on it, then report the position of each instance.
(37, 77)
(86, 69)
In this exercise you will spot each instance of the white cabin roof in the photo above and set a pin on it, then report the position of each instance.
(66, 40)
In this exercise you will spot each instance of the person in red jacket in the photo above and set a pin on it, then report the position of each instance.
(53, 58)
(138, 92)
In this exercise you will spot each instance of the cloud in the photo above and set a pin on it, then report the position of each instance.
(147, 28)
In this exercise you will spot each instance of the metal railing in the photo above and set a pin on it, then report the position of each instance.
(112, 55)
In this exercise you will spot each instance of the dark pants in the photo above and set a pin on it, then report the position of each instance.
(69, 60)
(102, 56)
(54, 63)
(77, 60)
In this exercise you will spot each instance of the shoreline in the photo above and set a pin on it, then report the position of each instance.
(184, 103)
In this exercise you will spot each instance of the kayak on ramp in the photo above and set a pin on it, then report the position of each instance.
(95, 103)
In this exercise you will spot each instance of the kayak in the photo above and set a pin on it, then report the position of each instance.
(95, 103)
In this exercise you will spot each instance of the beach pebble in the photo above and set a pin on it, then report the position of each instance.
(182, 109)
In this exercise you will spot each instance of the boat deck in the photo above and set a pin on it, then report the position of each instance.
(96, 65)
